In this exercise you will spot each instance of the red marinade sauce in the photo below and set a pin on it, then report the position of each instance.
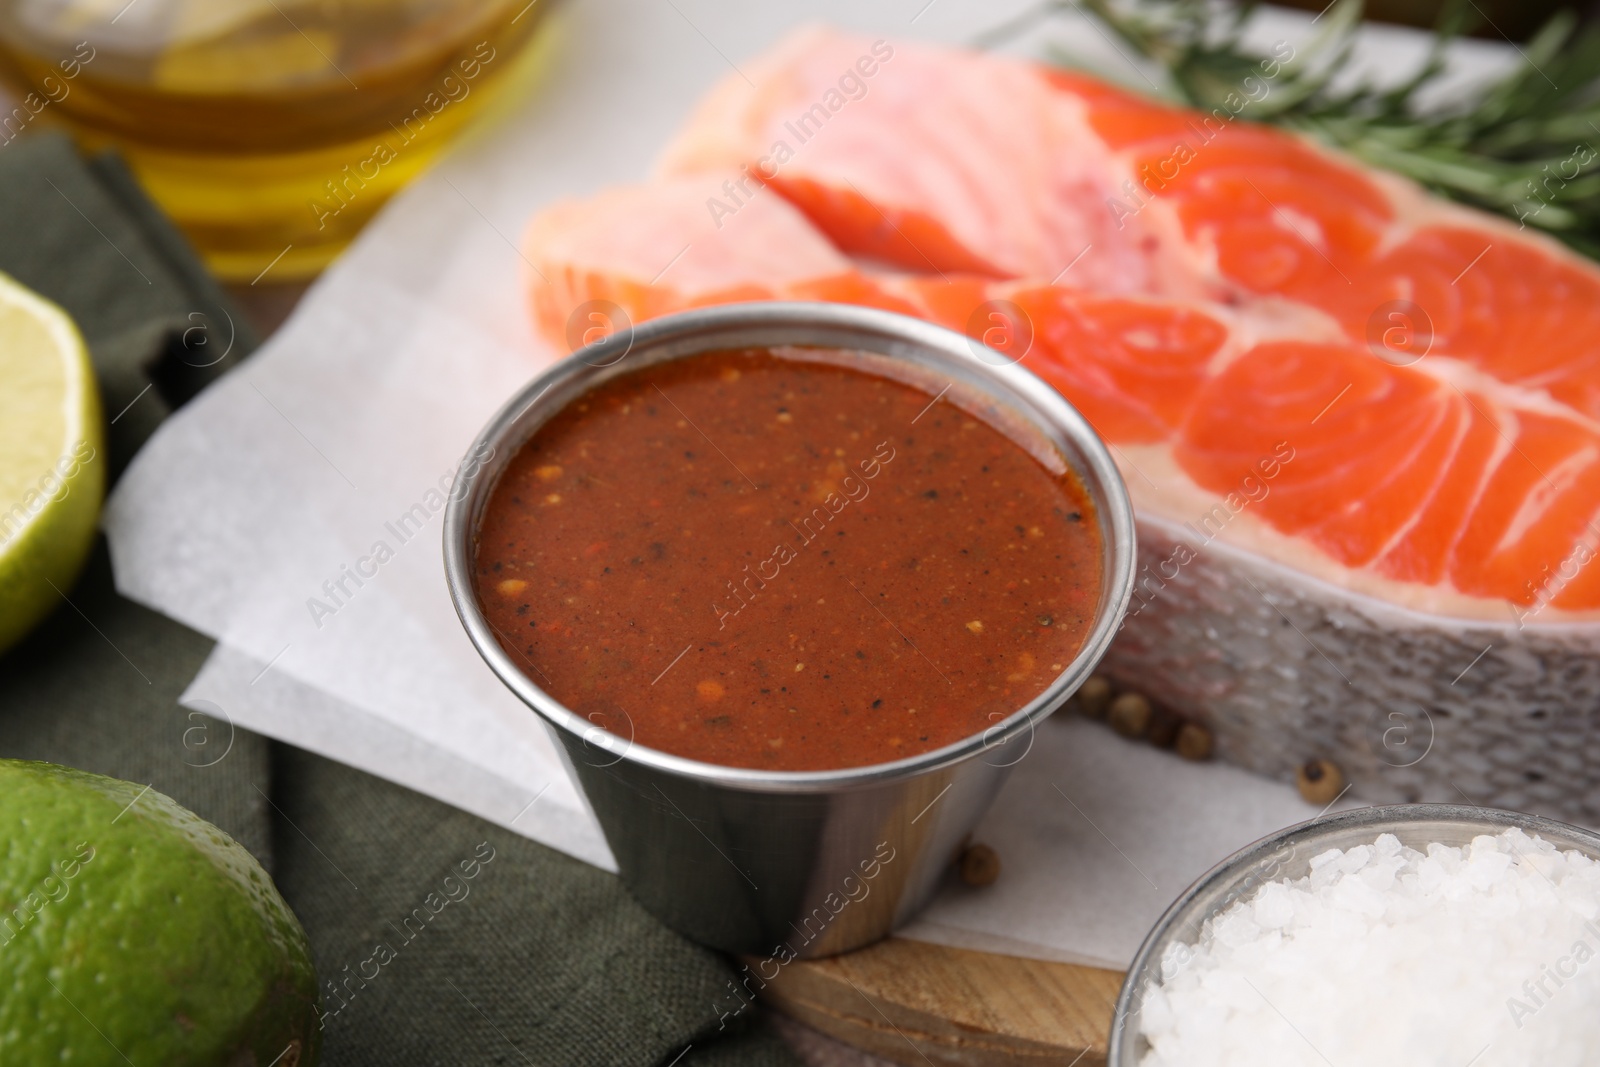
(762, 561)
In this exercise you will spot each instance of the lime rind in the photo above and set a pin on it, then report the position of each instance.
(132, 930)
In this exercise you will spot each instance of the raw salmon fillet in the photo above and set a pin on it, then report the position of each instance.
(1327, 390)
(904, 165)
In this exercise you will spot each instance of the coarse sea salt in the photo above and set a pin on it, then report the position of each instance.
(1487, 955)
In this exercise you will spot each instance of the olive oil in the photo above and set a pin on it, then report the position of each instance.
(270, 130)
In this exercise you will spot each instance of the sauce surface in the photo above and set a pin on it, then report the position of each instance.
(772, 562)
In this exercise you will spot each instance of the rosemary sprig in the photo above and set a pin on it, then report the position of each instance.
(1526, 145)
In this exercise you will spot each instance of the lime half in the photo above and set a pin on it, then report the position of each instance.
(52, 467)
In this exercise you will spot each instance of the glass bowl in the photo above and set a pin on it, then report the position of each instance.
(1287, 854)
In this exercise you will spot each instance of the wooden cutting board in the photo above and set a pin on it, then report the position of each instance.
(924, 1005)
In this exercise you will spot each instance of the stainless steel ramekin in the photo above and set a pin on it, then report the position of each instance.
(1287, 854)
(793, 864)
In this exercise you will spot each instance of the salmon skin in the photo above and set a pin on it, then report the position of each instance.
(1360, 425)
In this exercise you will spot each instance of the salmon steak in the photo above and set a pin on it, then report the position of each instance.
(1360, 424)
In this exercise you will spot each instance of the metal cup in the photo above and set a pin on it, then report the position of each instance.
(803, 863)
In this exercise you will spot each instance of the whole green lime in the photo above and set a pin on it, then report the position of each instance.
(134, 932)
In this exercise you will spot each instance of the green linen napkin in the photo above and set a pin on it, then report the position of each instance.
(536, 958)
